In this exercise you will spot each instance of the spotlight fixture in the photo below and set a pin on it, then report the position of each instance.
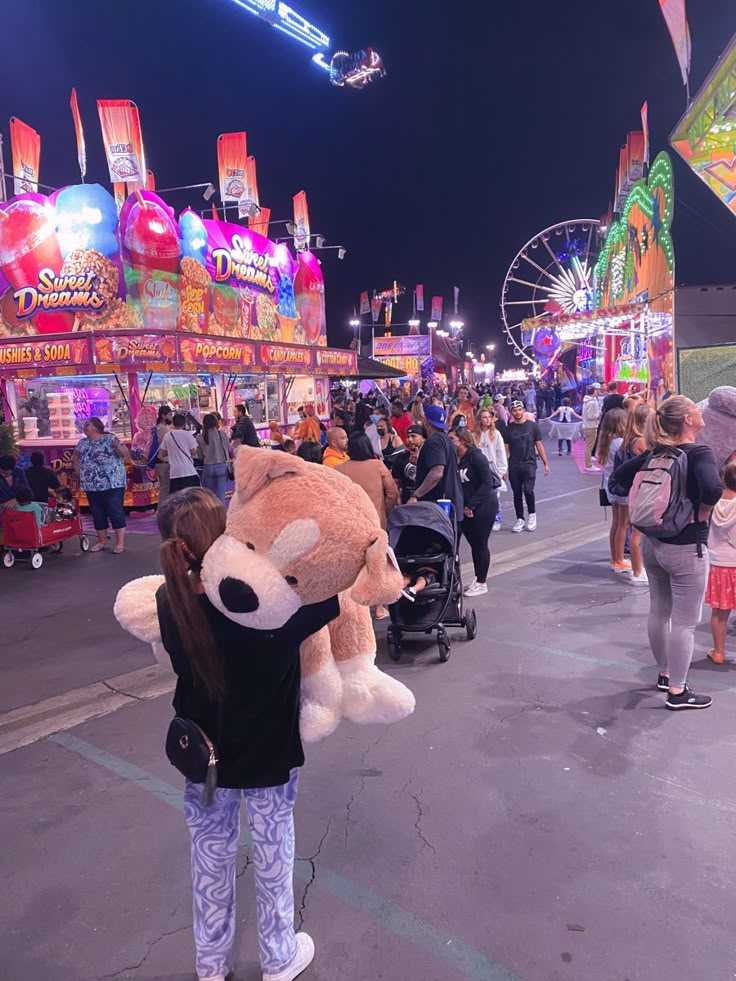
(291, 228)
(341, 252)
(319, 241)
(355, 323)
(209, 192)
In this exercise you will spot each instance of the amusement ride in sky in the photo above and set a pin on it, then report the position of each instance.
(355, 69)
(550, 276)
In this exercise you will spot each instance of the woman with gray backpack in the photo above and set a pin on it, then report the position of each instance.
(672, 491)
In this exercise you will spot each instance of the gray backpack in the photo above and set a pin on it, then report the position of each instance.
(658, 503)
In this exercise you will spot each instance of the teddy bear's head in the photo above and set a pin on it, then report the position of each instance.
(719, 415)
(297, 533)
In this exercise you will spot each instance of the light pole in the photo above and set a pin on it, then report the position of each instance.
(355, 324)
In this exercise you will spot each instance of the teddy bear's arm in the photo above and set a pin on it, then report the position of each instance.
(135, 611)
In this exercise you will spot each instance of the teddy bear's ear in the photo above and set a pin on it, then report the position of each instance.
(379, 581)
(254, 468)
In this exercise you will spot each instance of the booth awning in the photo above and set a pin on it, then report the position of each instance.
(368, 368)
(445, 352)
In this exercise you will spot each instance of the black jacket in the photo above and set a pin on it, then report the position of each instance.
(476, 481)
(245, 432)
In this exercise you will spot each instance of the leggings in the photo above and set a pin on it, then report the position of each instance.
(522, 480)
(215, 831)
(477, 530)
(677, 580)
(561, 441)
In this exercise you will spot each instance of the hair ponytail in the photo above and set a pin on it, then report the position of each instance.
(189, 522)
(665, 425)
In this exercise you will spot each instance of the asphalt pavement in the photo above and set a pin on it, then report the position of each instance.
(540, 817)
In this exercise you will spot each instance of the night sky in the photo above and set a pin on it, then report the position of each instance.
(495, 121)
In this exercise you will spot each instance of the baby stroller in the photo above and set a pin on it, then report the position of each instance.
(423, 536)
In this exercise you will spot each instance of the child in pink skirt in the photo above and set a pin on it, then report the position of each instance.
(720, 594)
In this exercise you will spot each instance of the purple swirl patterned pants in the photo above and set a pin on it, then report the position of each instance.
(215, 832)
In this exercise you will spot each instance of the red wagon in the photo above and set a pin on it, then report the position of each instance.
(23, 538)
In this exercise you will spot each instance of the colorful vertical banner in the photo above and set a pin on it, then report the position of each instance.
(437, 308)
(645, 130)
(123, 140)
(387, 313)
(365, 303)
(302, 235)
(232, 156)
(119, 193)
(25, 147)
(249, 199)
(259, 223)
(456, 297)
(375, 309)
(635, 156)
(675, 17)
(419, 294)
(81, 145)
(150, 180)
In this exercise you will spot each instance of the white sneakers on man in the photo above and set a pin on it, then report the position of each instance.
(304, 957)
(519, 525)
(531, 522)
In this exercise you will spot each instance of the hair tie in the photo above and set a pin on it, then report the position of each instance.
(195, 564)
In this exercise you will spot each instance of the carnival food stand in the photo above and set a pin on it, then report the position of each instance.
(109, 317)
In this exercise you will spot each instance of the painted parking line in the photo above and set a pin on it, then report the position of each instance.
(472, 963)
(630, 667)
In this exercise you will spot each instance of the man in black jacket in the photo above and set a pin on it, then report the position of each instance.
(244, 431)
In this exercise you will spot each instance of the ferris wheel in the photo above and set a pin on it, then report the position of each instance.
(552, 275)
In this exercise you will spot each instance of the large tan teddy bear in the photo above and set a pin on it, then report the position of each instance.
(298, 533)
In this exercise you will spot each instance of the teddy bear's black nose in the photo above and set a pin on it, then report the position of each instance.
(238, 596)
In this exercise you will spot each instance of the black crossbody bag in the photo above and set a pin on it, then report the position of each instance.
(192, 752)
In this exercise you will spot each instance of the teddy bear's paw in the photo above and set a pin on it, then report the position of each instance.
(135, 609)
(317, 721)
(321, 703)
(370, 696)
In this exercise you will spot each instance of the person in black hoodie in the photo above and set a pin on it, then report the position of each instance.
(677, 567)
(480, 504)
(240, 686)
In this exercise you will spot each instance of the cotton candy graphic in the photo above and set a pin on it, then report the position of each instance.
(86, 218)
(193, 237)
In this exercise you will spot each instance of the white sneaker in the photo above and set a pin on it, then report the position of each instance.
(477, 589)
(497, 525)
(592, 470)
(642, 580)
(304, 957)
(519, 526)
(470, 586)
(531, 523)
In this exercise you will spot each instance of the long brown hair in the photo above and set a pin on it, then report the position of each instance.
(190, 521)
(665, 425)
(612, 425)
(492, 415)
(636, 421)
(209, 424)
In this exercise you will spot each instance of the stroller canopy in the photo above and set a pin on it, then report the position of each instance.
(424, 514)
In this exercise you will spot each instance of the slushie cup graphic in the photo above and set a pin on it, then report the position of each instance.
(152, 240)
(28, 244)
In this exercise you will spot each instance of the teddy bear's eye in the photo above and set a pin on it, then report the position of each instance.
(292, 580)
(251, 546)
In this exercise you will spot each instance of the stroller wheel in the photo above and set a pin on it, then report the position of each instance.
(394, 647)
(471, 624)
(443, 643)
(8, 560)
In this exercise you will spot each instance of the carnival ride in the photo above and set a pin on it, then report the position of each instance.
(355, 69)
(550, 276)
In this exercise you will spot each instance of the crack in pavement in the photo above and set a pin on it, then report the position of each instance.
(302, 911)
(361, 788)
(126, 694)
(135, 967)
(418, 823)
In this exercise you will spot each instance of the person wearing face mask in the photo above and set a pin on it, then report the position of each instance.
(391, 444)
(366, 418)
